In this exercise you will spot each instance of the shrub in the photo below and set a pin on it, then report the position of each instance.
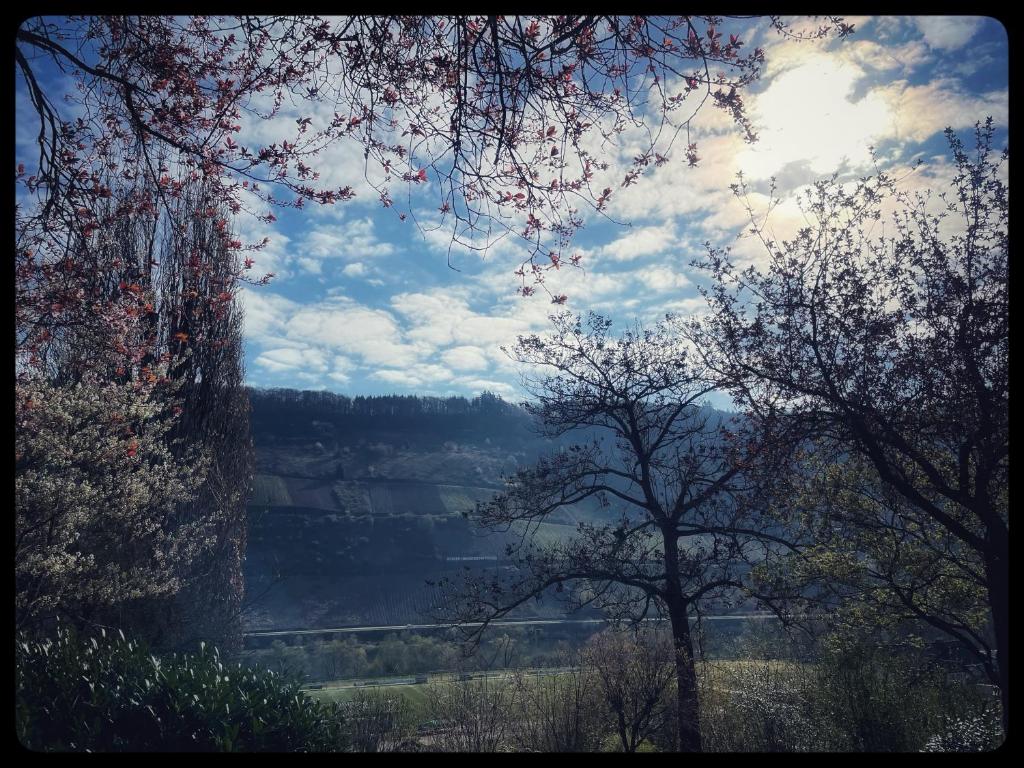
(378, 722)
(891, 699)
(760, 706)
(97, 493)
(851, 698)
(108, 693)
(979, 733)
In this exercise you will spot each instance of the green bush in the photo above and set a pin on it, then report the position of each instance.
(851, 698)
(979, 733)
(108, 693)
(893, 699)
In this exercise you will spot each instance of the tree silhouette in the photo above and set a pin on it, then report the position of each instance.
(892, 345)
(682, 485)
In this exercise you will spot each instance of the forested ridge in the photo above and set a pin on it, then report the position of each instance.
(274, 409)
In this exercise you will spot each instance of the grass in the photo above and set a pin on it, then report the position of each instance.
(416, 696)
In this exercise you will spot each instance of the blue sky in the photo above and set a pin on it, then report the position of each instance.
(366, 303)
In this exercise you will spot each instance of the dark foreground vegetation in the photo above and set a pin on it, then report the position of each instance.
(110, 693)
(614, 693)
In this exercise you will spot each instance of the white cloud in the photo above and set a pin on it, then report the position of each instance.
(403, 378)
(465, 358)
(442, 319)
(434, 316)
(265, 312)
(689, 307)
(661, 279)
(676, 189)
(874, 57)
(371, 334)
(806, 116)
(948, 33)
(415, 377)
(921, 111)
(356, 269)
(348, 240)
(291, 358)
(641, 242)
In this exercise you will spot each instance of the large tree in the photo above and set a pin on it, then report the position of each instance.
(133, 338)
(892, 344)
(679, 481)
(200, 329)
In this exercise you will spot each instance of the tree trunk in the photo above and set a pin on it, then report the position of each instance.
(687, 706)
(998, 576)
(686, 682)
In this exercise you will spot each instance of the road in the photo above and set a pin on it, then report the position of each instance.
(510, 623)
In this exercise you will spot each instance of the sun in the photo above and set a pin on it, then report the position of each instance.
(806, 115)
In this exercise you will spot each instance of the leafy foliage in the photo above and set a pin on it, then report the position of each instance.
(967, 734)
(108, 693)
(877, 563)
(851, 697)
(892, 345)
(96, 492)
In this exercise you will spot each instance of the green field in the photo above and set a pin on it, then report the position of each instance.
(723, 674)
(418, 695)
(415, 695)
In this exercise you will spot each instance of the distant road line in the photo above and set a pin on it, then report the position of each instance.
(520, 623)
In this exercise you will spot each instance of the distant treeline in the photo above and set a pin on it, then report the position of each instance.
(285, 410)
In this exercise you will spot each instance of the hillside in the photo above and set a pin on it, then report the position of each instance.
(359, 503)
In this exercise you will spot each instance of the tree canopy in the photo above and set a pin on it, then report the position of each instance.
(681, 484)
(892, 345)
(504, 115)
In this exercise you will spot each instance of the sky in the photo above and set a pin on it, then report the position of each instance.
(365, 303)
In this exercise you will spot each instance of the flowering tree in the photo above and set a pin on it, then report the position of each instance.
(96, 493)
(893, 346)
(151, 327)
(506, 115)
